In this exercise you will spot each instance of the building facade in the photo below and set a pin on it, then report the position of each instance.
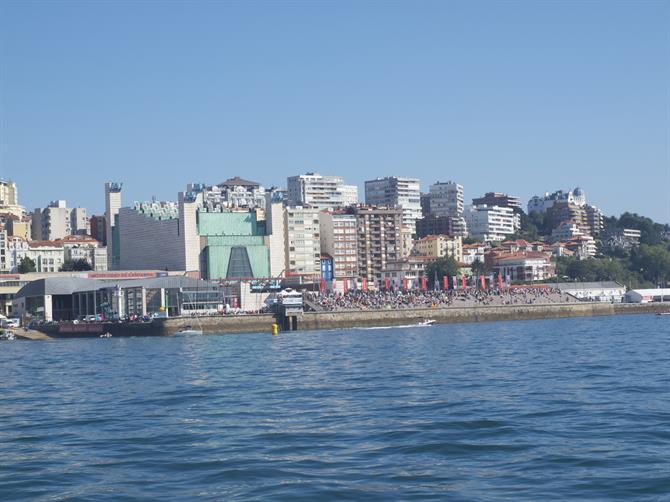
(339, 239)
(439, 246)
(303, 242)
(498, 199)
(57, 221)
(321, 192)
(491, 223)
(396, 192)
(379, 240)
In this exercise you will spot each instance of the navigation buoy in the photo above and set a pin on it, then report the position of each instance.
(275, 329)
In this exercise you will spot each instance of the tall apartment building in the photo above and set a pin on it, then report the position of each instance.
(594, 219)
(379, 239)
(491, 223)
(321, 192)
(99, 228)
(339, 239)
(498, 199)
(4, 253)
(446, 199)
(396, 192)
(303, 242)
(57, 221)
(9, 199)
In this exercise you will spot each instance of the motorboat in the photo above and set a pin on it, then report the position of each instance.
(427, 322)
(188, 330)
(106, 335)
(663, 313)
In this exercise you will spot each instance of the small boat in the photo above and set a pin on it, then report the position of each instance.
(106, 335)
(427, 322)
(188, 330)
(8, 335)
(662, 313)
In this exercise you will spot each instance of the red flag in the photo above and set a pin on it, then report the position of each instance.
(445, 282)
(424, 283)
(364, 284)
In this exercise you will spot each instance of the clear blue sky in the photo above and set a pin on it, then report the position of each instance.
(521, 97)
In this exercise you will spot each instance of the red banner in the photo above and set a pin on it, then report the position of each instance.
(424, 284)
(445, 282)
(364, 284)
(322, 286)
(482, 281)
(463, 285)
(405, 283)
(499, 281)
(387, 283)
(345, 285)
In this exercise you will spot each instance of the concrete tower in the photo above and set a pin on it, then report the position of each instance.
(112, 206)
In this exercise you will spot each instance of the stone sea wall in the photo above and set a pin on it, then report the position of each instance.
(367, 318)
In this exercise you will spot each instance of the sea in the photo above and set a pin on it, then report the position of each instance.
(563, 409)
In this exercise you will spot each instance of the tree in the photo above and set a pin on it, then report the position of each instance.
(27, 265)
(446, 266)
(478, 267)
(78, 265)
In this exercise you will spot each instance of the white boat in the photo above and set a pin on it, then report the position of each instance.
(663, 313)
(106, 335)
(188, 330)
(427, 322)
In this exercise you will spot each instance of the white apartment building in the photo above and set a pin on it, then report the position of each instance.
(339, 239)
(396, 192)
(57, 221)
(4, 253)
(567, 230)
(303, 242)
(9, 199)
(48, 256)
(81, 247)
(473, 252)
(321, 192)
(541, 204)
(491, 223)
(446, 199)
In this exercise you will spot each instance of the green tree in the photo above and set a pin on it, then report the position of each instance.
(478, 267)
(441, 267)
(653, 262)
(27, 265)
(79, 265)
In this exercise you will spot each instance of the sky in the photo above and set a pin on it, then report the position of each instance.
(518, 97)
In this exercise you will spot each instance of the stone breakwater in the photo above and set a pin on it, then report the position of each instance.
(369, 318)
(254, 323)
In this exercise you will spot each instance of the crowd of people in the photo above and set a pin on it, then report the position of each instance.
(380, 300)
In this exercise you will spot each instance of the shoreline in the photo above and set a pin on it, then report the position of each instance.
(314, 321)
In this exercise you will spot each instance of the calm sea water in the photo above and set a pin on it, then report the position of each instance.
(538, 410)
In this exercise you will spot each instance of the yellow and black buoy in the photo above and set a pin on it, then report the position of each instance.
(275, 329)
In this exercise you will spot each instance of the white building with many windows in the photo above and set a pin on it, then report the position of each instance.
(321, 192)
(396, 192)
(491, 223)
(303, 242)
